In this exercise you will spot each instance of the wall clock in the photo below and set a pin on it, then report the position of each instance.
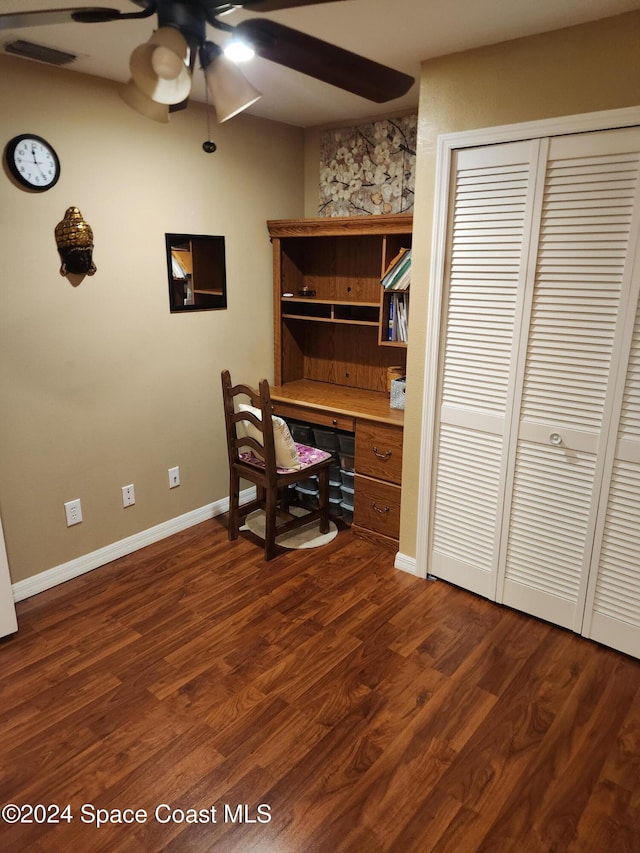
(32, 161)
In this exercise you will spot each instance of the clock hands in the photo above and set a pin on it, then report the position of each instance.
(45, 177)
(36, 161)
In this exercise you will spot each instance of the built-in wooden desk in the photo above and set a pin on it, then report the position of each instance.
(378, 446)
(332, 353)
(325, 400)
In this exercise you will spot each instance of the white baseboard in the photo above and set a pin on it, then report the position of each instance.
(406, 564)
(410, 565)
(79, 566)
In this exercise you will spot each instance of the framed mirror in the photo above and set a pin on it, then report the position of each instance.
(197, 273)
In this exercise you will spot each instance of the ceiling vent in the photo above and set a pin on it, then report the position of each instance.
(39, 52)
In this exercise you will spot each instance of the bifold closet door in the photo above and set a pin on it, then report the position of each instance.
(613, 602)
(577, 306)
(537, 295)
(490, 223)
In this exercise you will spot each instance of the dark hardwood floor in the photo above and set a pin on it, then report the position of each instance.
(320, 702)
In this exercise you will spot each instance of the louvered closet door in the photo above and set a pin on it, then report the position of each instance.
(575, 311)
(490, 221)
(613, 604)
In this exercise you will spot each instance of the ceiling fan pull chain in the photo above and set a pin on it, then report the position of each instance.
(208, 145)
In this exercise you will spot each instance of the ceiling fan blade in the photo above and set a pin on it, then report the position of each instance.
(277, 5)
(81, 14)
(324, 61)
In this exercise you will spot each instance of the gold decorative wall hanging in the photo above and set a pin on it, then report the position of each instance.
(74, 239)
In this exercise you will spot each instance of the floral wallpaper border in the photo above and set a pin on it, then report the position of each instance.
(368, 169)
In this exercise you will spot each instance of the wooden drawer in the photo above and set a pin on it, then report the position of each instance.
(379, 451)
(377, 506)
(313, 416)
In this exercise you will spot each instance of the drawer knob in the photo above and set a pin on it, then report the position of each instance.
(334, 421)
(381, 510)
(384, 455)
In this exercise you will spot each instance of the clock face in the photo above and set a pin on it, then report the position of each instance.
(32, 162)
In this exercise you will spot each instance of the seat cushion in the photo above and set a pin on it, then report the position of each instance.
(311, 455)
(307, 456)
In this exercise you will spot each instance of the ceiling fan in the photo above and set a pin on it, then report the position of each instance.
(161, 69)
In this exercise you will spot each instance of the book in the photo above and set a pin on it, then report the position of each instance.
(396, 269)
(398, 318)
(394, 261)
(403, 279)
(401, 311)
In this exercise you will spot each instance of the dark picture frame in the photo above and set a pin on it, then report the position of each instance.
(196, 271)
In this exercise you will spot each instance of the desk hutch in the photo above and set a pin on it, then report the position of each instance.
(331, 317)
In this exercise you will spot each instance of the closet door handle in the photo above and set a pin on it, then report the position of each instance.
(555, 438)
(384, 455)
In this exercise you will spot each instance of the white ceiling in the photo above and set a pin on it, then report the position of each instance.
(399, 33)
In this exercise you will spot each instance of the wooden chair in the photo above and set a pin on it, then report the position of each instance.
(254, 451)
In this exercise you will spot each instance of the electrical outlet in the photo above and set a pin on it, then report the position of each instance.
(73, 512)
(174, 477)
(128, 495)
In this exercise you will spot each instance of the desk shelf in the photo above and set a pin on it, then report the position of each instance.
(323, 311)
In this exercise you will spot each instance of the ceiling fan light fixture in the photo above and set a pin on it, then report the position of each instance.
(166, 63)
(239, 50)
(230, 91)
(138, 101)
(160, 67)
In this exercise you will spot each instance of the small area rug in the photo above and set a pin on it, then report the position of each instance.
(308, 536)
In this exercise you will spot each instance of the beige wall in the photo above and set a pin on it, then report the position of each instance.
(571, 71)
(100, 385)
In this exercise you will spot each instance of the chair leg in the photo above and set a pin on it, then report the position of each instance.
(270, 510)
(234, 506)
(324, 500)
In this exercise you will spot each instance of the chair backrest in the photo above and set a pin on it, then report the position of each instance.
(249, 430)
